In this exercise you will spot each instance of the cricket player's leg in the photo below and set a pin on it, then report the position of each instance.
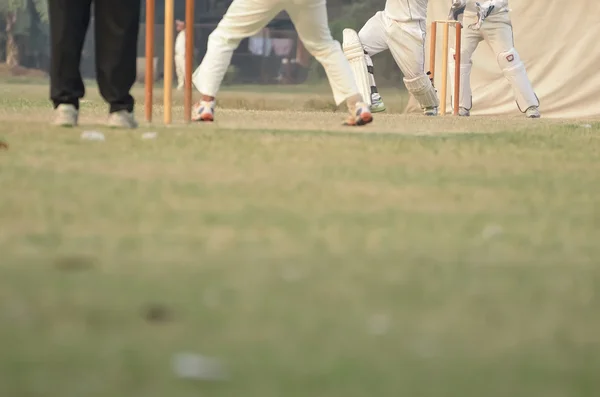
(470, 41)
(373, 39)
(499, 35)
(354, 52)
(377, 104)
(69, 22)
(310, 19)
(362, 69)
(406, 41)
(116, 56)
(180, 70)
(244, 18)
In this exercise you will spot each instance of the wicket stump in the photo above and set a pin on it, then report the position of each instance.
(169, 58)
(445, 50)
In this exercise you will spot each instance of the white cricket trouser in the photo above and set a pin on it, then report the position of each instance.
(180, 70)
(245, 18)
(497, 31)
(405, 40)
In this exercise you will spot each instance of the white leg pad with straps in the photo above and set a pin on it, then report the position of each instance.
(422, 89)
(355, 54)
(515, 73)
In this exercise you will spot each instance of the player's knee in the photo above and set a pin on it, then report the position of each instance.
(219, 39)
(361, 36)
(366, 49)
(466, 56)
(509, 60)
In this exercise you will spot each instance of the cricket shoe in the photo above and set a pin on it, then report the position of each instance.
(204, 111)
(377, 104)
(122, 119)
(463, 112)
(431, 111)
(360, 116)
(533, 112)
(66, 115)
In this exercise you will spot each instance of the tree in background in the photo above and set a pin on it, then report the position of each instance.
(20, 18)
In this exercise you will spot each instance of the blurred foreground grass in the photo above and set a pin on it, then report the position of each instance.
(310, 263)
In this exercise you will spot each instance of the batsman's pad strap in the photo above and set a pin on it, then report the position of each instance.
(514, 71)
(354, 52)
(422, 89)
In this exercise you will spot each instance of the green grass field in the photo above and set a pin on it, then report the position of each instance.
(415, 257)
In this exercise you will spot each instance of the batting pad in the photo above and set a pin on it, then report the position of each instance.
(515, 73)
(354, 52)
(423, 91)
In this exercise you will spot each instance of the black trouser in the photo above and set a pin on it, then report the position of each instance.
(117, 25)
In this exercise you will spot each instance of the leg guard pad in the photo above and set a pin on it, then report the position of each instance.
(515, 73)
(354, 52)
(422, 89)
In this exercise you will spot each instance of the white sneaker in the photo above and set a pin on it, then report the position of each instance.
(463, 112)
(65, 115)
(361, 115)
(533, 112)
(204, 111)
(431, 111)
(377, 104)
(122, 119)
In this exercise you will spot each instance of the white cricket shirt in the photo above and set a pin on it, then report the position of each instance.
(406, 10)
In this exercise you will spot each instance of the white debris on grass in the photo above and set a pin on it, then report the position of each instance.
(92, 136)
(149, 135)
(491, 231)
(197, 367)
